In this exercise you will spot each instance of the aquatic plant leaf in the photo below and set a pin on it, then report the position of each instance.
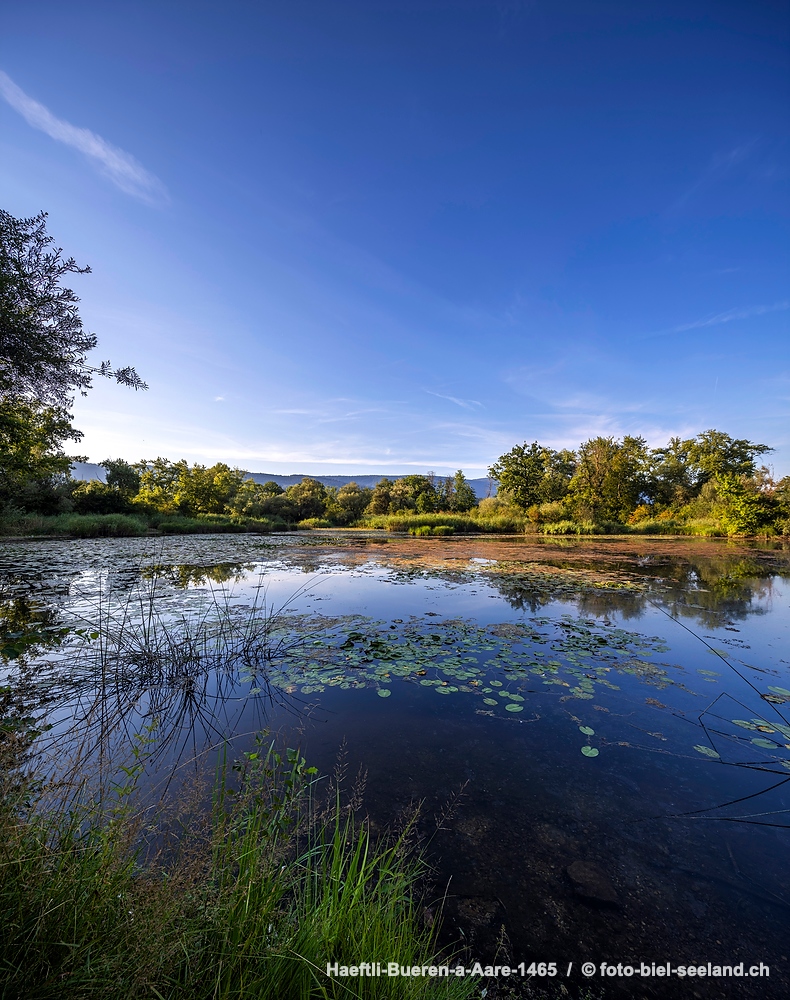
(768, 744)
(708, 752)
(513, 707)
(744, 724)
(490, 701)
(589, 751)
(586, 730)
(384, 692)
(779, 690)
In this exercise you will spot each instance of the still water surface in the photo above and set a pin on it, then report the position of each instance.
(610, 719)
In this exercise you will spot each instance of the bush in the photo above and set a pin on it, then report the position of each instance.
(103, 525)
(79, 525)
(314, 522)
(406, 522)
(209, 524)
(657, 526)
(572, 528)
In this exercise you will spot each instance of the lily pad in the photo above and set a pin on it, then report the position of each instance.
(708, 752)
(586, 730)
(589, 751)
(768, 744)
(513, 707)
(383, 693)
(490, 701)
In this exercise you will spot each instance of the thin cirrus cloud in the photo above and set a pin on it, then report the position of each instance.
(724, 317)
(467, 404)
(119, 166)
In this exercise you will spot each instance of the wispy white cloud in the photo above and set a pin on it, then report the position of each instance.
(467, 404)
(724, 317)
(119, 166)
(720, 165)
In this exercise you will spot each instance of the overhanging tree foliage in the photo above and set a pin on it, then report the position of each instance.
(43, 344)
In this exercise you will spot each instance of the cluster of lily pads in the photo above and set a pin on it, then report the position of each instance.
(498, 664)
(769, 734)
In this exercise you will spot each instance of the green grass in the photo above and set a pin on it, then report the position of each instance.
(251, 901)
(460, 523)
(131, 525)
(75, 525)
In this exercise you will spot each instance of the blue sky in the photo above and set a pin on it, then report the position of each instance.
(397, 236)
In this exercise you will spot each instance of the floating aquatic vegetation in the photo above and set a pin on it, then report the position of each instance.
(707, 751)
(499, 664)
(589, 751)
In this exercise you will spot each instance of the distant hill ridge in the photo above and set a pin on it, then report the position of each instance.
(482, 487)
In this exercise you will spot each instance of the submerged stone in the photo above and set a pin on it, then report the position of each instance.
(592, 883)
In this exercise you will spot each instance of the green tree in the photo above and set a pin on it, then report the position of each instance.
(159, 484)
(742, 507)
(380, 500)
(671, 480)
(309, 497)
(413, 493)
(122, 476)
(520, 474)
(33, 464)
(714, 453)
(211, 490)
(95, 497)
(348, 503)
(464, 497)
(43, 344)
(610, 478)
(559, 470)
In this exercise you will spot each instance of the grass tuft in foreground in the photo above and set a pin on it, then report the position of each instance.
(251, 900)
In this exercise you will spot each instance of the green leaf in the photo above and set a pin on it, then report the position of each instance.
(707, 751)
(513, 707)
(586, 730)
(590, 751)
(383, 693)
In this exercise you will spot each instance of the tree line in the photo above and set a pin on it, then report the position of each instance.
(176, 488)
(711, 479)
(623, 481)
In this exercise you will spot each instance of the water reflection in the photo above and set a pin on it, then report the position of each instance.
(498, 671)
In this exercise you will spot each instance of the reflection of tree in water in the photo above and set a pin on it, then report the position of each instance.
(27, 626)
(711, 590)
(183, 576)
(707, 591)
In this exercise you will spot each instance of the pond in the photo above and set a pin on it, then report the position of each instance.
(598, 729)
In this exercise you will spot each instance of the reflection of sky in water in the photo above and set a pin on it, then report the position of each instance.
(534, 804)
